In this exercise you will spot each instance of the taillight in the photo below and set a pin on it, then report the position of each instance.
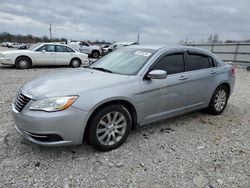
(233, 70)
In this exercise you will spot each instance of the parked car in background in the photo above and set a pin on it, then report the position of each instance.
(9, 45)
(105, 48)
(44, 54)
(84, 47)
(16, 45)
(23, 47)
(130, 87)
(4, 44)
(118, 45)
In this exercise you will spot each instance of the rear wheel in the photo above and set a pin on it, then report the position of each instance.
(23, 63)
(109, 128)
(219, 100)
(95, 54)
(75, 63)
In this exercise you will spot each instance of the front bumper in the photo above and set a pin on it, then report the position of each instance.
(54, 128)
(6, 61)
(85, 62)
(100, 51)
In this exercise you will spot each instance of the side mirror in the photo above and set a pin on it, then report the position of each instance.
(157, 74)
(43, 51)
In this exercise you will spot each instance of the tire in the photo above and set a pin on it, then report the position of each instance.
(218, 101)
(75, 63)
(95, 54)
(23, 63)
(109, 128)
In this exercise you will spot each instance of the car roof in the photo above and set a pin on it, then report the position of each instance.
(167, 47)
(176, 47)
(54, 43)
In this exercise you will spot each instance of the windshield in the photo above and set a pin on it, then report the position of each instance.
(124, 61)
(34, 46)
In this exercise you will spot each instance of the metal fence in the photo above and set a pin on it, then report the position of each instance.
(229, 52)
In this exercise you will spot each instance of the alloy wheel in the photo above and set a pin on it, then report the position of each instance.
(111, 128)
(220, 100)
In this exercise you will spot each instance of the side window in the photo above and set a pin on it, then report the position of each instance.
(171, 63)
(50, 48)
(60, 48)
(83, 44)
(42, 48)
(69, 49)
(47, 48)
(214, 63)
(198, 61)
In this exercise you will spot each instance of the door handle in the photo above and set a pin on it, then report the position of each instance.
(183, 77)
(212, 71)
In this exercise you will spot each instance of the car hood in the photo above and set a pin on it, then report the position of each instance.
(72, 83)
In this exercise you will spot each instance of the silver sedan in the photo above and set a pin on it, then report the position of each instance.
(126, 89)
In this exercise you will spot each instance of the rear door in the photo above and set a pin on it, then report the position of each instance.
(202, 79)
(45, 55)
(63, 55)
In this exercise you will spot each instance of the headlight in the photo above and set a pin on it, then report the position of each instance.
(53, 104)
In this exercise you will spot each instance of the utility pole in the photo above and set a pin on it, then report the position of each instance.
(50, 32)
(138, 38)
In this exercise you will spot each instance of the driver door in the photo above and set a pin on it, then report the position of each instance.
(45, 55)
(174, 89)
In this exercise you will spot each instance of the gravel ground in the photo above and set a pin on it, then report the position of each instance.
(194, 150)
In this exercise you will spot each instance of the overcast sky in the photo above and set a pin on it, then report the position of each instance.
(159, 21)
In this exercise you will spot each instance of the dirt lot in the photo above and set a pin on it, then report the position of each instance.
(194, 150)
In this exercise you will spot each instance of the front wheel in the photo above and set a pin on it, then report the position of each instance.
(109, 128)
(219, 100)
(22, 63)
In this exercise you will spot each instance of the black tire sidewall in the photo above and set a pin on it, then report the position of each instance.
(92, 137)
(211, 107)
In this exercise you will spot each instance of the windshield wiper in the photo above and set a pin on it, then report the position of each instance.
(101, 69)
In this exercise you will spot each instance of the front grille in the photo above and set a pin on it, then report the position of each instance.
(20, 101)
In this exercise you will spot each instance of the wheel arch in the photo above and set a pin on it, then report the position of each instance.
(25, 56)
(128, 105)
(224, 84)
(221, 84)
(95, 50)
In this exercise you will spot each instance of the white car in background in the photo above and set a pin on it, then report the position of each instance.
(44, 54)
(84, 47)
(118, 45)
